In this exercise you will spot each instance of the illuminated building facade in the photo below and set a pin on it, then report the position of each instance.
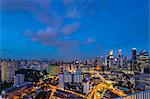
(8, 71)
(3, 71)
(120, 58)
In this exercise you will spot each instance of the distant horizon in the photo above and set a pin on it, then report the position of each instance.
(64, 59)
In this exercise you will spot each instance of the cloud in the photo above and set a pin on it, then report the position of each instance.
(51, 36)
(43, 35)
(71, 28)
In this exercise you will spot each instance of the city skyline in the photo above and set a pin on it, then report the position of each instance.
(72, 29)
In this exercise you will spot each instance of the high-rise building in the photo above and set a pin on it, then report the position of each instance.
(70, 77)
(8, 71)
(86, 87)
(134, 58)
(61, 80)
(111, 52)
(143, 56)
(78, 76)
(18, 79)
(134, 54)
(66, 76)
(111, 58)
(107, 62)
(126, 63)
(120, 58)
(3, 71)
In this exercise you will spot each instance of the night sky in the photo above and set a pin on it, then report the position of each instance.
(63, 29)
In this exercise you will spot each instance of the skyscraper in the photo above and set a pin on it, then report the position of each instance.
(111, 52)
(120, 58)
(111, 57)
(143, 56)
(134, 58)
(134, 53)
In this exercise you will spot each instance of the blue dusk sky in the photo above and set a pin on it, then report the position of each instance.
(66, 29)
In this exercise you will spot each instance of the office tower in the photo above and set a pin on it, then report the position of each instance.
(107, 62)
(126, 63)
(134, 54)
(134, 58)
(120, 58)
(142, 61)
(111, 53)
(8, 71)
(143, 56)
(111, 57)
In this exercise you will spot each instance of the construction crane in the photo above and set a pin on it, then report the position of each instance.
(99, 90)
